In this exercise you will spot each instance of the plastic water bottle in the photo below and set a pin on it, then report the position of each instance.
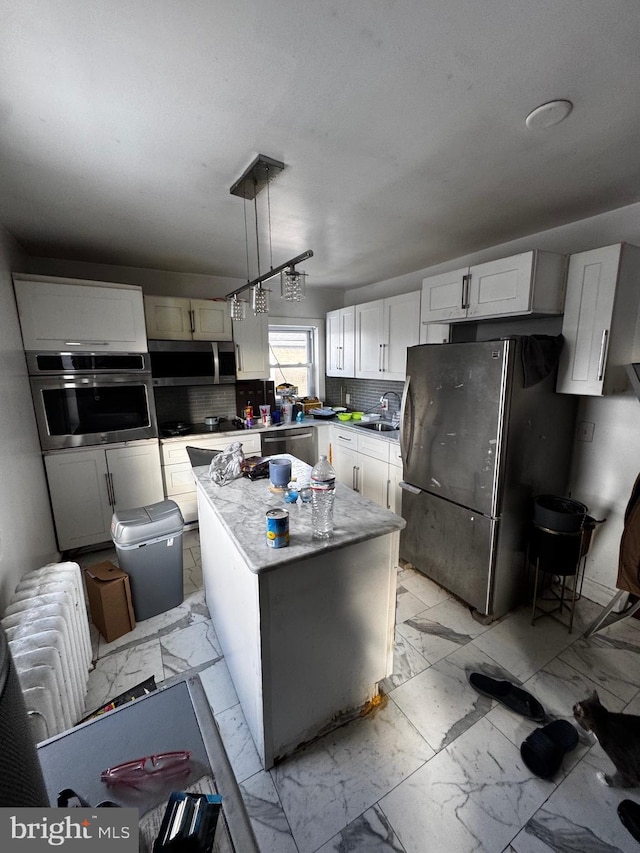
(323, 488)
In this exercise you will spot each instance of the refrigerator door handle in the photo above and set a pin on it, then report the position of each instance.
(406, 420)
(409, 488)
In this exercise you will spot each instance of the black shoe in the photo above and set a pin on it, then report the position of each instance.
(629, 813)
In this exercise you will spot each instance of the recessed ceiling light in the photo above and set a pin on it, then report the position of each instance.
(548, 114)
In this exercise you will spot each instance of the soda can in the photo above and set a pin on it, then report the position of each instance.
(277, 528)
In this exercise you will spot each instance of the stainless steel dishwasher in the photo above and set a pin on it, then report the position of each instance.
(299, 442)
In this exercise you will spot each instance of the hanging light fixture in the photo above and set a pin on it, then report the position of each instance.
(260, 299)
(237, 307)
(292, 282)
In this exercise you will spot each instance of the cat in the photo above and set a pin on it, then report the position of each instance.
(618, 735)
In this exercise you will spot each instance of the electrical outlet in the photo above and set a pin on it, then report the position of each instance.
(585, 431)
(347, 398)
(384, 404)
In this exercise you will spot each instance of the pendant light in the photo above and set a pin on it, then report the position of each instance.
(292, 282)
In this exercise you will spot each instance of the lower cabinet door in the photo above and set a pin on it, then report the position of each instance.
(79, 490)
(136, 476)
(374, 480)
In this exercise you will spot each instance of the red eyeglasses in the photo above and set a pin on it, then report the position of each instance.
(136, 773)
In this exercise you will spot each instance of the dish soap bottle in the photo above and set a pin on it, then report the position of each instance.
(323, 488)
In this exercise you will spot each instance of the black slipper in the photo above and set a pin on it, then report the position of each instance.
(629, 814)
(512, 697)
(545, 748)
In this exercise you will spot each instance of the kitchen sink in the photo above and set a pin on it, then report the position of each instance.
(378, 426)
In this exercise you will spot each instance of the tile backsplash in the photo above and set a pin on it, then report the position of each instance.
(364, 394)
(192, 403)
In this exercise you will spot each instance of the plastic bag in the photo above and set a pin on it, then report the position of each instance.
(227, 466)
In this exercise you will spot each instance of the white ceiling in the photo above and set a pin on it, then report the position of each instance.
(123, 126)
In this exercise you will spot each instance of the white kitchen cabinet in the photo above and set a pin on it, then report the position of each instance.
(63, 314)
(525, 284)
(177, 474)
(340, 331)
(344, 456)
(373, 463)
(87, 486)
(173, 318)
(384, 329)
(395, 478)
(599, 324)
(368, 464)
(251, 338)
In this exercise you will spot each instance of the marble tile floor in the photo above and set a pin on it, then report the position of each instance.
(436, 767)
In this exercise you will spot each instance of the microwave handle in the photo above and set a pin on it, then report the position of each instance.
(216, 363)
(87, 343)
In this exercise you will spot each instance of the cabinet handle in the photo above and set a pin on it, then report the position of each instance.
(238, 359)
(354, 478)
(113, 491)
(383, 368)
(380, 357)
(603, 354)
(192, 320)
(86, 343)
(338, 359)
(109, 496)
(388, 494)
(466, 287)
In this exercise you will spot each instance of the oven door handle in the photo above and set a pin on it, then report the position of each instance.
(87, 343)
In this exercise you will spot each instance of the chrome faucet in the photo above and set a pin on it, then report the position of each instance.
(384, 397)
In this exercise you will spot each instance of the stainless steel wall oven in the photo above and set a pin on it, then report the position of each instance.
(91, 398)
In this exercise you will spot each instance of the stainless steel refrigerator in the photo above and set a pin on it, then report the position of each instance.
(477, 447)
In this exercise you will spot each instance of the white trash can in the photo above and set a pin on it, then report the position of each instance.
(148, 542)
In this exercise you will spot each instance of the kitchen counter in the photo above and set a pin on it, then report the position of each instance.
(202, 430)
(306, 630)
(241, 506)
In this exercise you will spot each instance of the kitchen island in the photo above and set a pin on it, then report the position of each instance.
(306, 630)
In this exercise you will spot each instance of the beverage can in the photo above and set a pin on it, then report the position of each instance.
(277, 528)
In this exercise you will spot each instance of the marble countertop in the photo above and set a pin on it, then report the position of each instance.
(242, 504)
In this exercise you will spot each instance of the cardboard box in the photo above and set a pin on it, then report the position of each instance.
(110, 602)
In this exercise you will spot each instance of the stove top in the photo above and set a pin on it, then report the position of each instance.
(180, 428)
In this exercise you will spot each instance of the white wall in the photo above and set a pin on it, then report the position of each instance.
(27, 538)
(603, 470)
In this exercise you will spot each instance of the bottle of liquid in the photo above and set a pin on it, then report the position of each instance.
(323, 487)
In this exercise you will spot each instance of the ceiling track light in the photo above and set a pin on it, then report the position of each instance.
(292, 282)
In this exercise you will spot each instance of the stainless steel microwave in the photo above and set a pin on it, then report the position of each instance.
(192, 362)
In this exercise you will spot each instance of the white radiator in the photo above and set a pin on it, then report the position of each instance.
(47, 627)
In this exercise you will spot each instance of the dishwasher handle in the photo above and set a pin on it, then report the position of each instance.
(278, 437)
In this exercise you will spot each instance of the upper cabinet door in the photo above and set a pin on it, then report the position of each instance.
(444, 297)
(369, 340)
(62, 315)
(402, 330)
(501, 287)
(210, 320)
(599, 322)
(251, 337)
(168, 318)
(340, 332)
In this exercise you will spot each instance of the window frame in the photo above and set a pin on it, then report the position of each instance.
(315, 328)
